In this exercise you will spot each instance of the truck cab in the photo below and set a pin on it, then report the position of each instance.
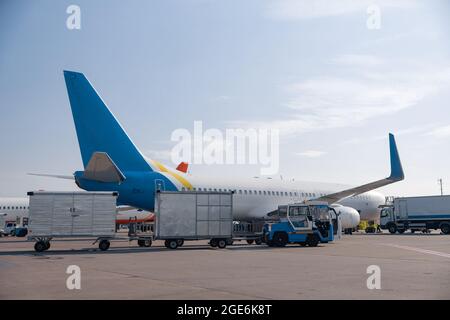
(302, 223)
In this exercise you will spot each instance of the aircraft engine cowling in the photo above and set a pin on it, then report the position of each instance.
(349, 217)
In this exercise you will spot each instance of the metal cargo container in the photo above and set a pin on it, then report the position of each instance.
(194, 215)
(72, 214)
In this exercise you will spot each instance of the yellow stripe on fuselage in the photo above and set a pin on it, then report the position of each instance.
(181, 179)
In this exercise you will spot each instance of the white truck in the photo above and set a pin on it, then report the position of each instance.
(71, 214)
(417, 214)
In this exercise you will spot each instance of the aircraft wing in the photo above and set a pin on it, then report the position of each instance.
(396, 175)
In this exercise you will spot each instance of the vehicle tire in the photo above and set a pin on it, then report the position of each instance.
(104, 245)
(12, 233)
(180, 242)
(250, 241)
(147, 243)
(412, 231)
(222, 243)
(213, 243)
(229, 242)
(445, 228)
(40, 246)
(312, 240)
(303, 244)
(392, 228)
(280, 239)
(258, 241)
(270, 243)
(173, 244)
(401, 231)
(140, 243)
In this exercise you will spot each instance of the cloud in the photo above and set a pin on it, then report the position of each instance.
(307, 9)
(440, 132)
(350, 100)
(360, 60)
(311, 153)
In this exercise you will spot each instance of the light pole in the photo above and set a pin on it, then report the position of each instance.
(440, 183)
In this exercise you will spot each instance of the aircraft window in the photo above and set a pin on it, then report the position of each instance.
(295, 193)
(249, 191)
(303, 194)
(260, 192)
(285, 193)
(8, 208)
(277, 193)
(290, 194)
(245, 191)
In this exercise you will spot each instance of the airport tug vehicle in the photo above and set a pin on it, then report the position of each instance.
(308, 223)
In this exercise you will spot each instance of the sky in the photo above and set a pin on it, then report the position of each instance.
(314, 70)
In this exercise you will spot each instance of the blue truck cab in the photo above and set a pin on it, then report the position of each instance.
(303, 223)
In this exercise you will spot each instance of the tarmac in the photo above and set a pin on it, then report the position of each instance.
(411, 266)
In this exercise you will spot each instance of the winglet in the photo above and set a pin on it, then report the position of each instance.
(396, 166)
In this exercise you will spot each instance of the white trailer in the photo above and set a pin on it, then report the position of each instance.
(417, 213)
(190, 215)
(71, 214)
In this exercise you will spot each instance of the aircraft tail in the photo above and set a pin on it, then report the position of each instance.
(97, 128)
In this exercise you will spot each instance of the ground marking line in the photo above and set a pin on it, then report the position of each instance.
(436, 253)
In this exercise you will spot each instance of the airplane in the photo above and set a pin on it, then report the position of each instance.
(112, 162)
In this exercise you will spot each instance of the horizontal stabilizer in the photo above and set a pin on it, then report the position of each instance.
(101, 168)
(59, 176)
(396, 175)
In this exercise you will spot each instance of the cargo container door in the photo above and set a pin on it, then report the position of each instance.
(82, 214)
(61, 223)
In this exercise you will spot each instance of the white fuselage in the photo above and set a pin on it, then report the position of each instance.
(13, 208)
(254, 198)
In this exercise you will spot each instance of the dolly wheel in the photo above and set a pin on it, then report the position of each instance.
(222, 243)
(147, 242)
(47, 245)
(258, 241)
(140, 243)
(104, 245)
(173, 244)
(250, 241)
(40, 246)
(213, 243)
(180, 242)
